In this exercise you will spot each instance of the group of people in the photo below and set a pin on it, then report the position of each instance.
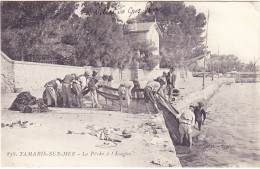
(62, 92)
(188, 120)
(160, 87)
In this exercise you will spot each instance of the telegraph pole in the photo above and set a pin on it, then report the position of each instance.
(203, 84)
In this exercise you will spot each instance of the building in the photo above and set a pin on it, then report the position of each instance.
(149, 32)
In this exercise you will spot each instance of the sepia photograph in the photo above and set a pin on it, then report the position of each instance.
(130, 84)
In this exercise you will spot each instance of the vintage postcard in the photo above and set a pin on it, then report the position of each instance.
(130, 84)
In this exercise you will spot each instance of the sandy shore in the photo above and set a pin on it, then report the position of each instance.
(148, 146)
(71, 137)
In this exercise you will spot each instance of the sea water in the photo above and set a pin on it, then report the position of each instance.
(230, 136)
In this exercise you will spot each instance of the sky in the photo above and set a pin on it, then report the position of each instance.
(233, 26)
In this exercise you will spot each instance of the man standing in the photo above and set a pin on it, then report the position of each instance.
(171, 78)
(134, 93)
(76, 86)
(124, 91)
(187, 120)
(83, 79)
(51, 92)
(92, 86)
(200, 114)
(164, 86)
(66, 90)
(104, 84)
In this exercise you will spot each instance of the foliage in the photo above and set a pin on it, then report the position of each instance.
(182, 30)
(35, 31)
(228, 63)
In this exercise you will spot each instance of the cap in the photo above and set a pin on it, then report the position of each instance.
(201, 104)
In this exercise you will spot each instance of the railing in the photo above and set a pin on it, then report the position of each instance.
(43, 60)
(49, 61)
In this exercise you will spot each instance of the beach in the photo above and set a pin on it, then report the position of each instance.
(64, 137)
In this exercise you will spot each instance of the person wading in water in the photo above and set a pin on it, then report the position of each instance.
(187, 120)
(200, 114)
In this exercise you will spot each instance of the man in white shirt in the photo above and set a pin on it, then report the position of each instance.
(150, 91)
(83, 79)
(124, 91)
(187, 120)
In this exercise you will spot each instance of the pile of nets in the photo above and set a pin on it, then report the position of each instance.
(26, 103)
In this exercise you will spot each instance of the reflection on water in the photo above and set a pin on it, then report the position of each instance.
(230, 136)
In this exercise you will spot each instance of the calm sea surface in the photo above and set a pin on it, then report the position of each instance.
(230, 136)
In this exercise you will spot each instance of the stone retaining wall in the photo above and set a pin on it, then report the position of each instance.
(191, 99)
(7, 74)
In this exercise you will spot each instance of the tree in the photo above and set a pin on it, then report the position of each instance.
(23, 25)
(227, 63)
(36, 31)
(181, 28)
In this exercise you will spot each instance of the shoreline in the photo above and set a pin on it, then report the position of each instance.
(223, 141)
(149, 136)
(204, 94)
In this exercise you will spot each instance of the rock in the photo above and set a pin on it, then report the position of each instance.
(114, 137)
(126, 133)
(24, 122)
(116, 129)
(163, 163)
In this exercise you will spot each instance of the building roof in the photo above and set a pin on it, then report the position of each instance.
(142, 27)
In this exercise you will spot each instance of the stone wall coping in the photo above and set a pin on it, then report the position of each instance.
(35, 63)
(46, 64)
(6, 57)
(53, 65)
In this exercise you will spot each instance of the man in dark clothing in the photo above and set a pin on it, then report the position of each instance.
(76, 87)
(92, 86)
(136, 94)
(66, 90)
(51, 92)
(199, 111)
(170, 78)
